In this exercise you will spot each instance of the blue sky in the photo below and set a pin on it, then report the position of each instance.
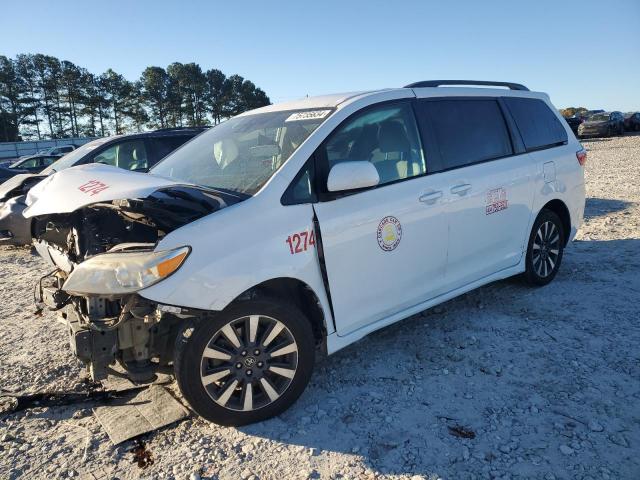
(581, 52)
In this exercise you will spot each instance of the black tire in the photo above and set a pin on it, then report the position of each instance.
(190, 366)
(542, 262)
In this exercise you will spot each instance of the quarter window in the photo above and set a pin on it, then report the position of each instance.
(467, 131)
(386, 136)
(538, 125)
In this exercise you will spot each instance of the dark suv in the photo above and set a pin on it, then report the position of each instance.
(136, 152)
(632, 122)
(602, 125)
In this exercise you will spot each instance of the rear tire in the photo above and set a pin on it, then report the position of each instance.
(545, 249)
(246, 364)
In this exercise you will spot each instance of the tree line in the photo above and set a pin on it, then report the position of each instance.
(44, 97)
(571, 111)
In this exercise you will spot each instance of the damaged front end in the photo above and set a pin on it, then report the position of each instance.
(104, 253)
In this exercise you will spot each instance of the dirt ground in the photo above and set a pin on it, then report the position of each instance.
(547, 380)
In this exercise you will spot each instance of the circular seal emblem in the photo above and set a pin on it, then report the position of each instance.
(249, 361)
(389, 233)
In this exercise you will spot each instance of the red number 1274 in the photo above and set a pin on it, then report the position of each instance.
(300, 242)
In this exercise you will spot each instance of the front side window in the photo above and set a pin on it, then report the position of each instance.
(467, 131)
(130, 155)
(242, 153)
(386, 136)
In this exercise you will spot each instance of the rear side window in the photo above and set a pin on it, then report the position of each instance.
(538, 125)
(467, 131)
(166, 145)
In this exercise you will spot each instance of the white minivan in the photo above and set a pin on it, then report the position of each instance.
(294, 230)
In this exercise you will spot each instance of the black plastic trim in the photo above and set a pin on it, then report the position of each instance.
(323, 265)
(439, 83)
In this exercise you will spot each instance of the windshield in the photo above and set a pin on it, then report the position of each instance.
(599, 118)
(242, 153)
(71, 158)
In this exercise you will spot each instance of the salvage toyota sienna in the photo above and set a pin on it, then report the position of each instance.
(293, 230)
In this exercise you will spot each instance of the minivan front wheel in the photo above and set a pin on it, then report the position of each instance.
(545, 249)
(246, 364)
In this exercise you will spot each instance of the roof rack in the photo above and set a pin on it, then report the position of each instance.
(439, 83)
(179, 129)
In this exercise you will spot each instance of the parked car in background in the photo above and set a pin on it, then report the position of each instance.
(296, 229)
(588, 113)
(632, 121)
(136, 152)
(602, 125)
(574, 122)
(59, 151)
(32, 164)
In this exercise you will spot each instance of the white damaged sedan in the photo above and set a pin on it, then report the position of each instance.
(296, 229)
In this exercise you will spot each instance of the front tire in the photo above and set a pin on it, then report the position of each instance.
(248, 363)
(545, 249)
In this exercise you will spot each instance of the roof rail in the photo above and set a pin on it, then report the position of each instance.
(439, 83)
(178, 129)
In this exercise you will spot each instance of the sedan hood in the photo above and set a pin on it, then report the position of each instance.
(77, 187)
(599, 123)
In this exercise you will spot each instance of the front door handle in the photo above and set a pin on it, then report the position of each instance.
(430, 198)
(461, 189)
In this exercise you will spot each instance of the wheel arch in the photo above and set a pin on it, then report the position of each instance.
(560, 208)
(293, 290)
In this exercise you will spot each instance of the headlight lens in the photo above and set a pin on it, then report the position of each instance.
(123, 272)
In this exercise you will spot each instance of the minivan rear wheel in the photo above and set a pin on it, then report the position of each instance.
(545, 249)
(246, 364)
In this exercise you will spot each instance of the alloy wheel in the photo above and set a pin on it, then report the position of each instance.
(546, 249)
(249, 363)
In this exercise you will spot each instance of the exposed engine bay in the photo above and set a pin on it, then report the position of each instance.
(118, 327)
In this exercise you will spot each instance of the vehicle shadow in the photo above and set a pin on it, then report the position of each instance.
(457, 383)
(598, 207)
(595, 139)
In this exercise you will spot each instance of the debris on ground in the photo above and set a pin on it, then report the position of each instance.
(141, 456)
(461, 432)
(139, 413)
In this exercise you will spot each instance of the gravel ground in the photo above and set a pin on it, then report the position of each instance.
(547, 380)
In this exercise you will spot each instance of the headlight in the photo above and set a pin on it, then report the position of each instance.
(123, 272)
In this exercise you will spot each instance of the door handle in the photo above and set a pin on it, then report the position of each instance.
(461, 189)
(430, 198)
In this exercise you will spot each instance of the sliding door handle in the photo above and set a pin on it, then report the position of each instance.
(430, 198)
(461, 189)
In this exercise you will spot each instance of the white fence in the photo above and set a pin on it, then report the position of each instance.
(11, 150)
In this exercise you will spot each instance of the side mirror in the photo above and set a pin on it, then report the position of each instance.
(352, 175)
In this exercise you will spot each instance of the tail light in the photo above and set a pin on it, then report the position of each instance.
(581, 155)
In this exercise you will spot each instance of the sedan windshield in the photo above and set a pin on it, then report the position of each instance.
(72, 158)
(242, 153)
(599, 118)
